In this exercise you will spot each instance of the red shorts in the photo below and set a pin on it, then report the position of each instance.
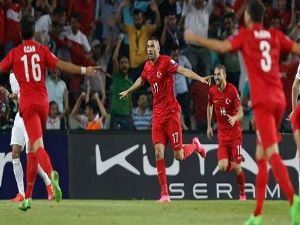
(35, 119)
(168, 129)
(267, 121)
(230, 149)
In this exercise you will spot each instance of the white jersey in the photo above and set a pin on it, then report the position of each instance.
(18, 133)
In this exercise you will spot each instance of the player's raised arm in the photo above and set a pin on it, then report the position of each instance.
(74, 69)
(137, 84)
(212, 44)
(192, 75)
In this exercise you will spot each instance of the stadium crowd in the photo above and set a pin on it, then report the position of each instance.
(113, 34)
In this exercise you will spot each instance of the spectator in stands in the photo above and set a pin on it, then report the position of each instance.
(12, 24)
(46, 22)
(196, 16)
(287, 17)
(58, 92)
(170, 34)
(85, 9)
(43, 7)
(230, 60)
(79, 48)
(91, 120)
(109, 9)
(181, 89)
(120, 109)
(142, 114)
(275, 22)
(2, 28)
(167, 6)
(54, 118)
(100, 56)
(138, 35)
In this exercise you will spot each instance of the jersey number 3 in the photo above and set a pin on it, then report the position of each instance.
(35, 67)
(266, 61)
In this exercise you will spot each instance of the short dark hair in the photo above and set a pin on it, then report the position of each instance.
(221, 67)
(153, 38)
(27, 27)
(171, 13)
(175, 47)
(229, 15)
(92, 104)
(53, 103)
(256, 10)
(137, 12)
(76, 16)
(58, 11)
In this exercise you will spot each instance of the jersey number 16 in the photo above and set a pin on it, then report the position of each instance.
(35, 67)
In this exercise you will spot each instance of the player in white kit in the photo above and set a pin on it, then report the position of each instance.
(19, 140)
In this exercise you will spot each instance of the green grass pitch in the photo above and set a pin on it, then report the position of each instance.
(134, 212)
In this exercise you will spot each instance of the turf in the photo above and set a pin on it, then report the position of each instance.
(133, 212)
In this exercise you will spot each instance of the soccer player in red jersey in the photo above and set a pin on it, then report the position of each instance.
(261, 51)
(29, 61)
(166, 126)
(224, 99)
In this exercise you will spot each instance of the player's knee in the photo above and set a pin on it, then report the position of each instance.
(159, 154)
(223, 166)
(179, 155)
(238, 168)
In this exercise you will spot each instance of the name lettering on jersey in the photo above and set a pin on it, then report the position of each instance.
(158, 74)
(28, 49)
(227, 101)
(262, 34)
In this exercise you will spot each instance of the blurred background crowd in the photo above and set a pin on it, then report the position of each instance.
(113, 34)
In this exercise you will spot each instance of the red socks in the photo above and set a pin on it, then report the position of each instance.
(241, 181)
(189, 149)
(32, 168)
(162, 178)
(261, 184)
(44, 161)
(282, 177)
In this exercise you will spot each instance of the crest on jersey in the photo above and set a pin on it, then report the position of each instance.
(158, 74)
(227, 101)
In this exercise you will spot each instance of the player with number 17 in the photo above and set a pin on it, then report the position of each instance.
(166, 126)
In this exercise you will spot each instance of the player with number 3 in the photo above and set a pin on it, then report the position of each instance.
(261, 50)
(166, 126)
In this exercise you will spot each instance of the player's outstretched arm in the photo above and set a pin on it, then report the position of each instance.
(212, 44)
(74, 69)
(209, 116)
(192, 75)
(295, 91)
(137, 84)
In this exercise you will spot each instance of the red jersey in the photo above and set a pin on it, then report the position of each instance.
(13, 18)
(225, 103)
(261, 51)
(29, 62)
(295, 119)
(160, 77)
